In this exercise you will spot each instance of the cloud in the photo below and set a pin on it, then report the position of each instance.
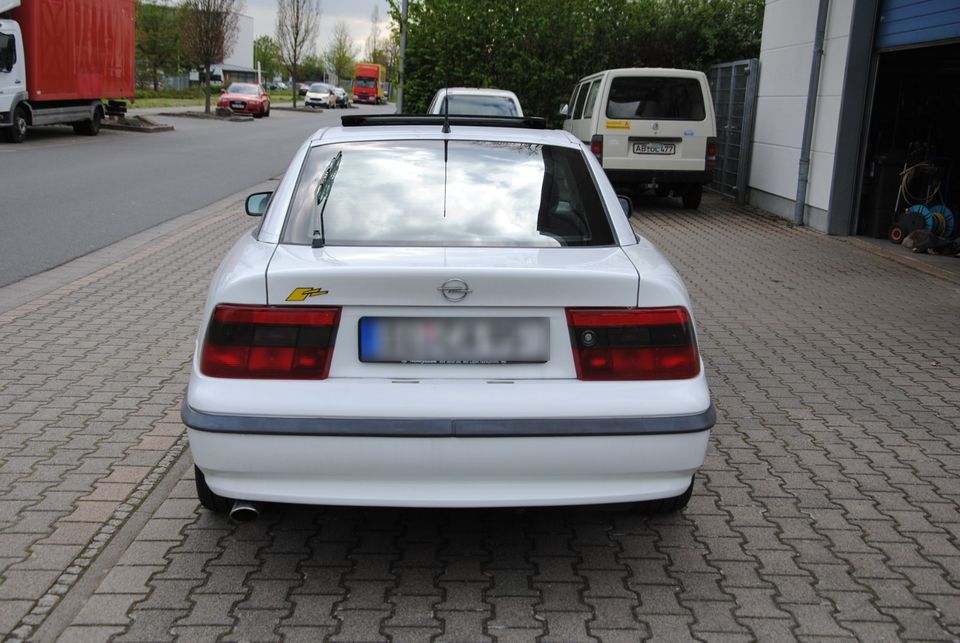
(354, 13)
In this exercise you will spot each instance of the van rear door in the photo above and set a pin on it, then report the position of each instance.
(656, 121)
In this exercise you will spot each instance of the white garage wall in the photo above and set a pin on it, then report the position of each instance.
(786, 50)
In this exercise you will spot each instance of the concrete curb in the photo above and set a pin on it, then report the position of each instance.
(136, 124)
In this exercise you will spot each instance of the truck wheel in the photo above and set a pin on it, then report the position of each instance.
(17, 131)
(692, 195)
(90, 127)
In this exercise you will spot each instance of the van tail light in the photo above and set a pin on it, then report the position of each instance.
(633, 344)
(711, 154)
(269, 342)
(596, 146)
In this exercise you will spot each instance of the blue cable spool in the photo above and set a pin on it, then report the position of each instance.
(924, 211)
(944, 212)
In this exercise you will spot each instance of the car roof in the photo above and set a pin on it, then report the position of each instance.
(341, 134)
(477, 91)
(647, 71)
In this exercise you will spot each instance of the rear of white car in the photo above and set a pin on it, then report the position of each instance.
(475, 101)
(456, 319)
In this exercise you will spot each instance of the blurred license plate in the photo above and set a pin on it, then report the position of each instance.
(654, 148)
(455, 340)
(237, 105)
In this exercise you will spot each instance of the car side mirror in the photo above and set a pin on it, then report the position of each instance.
(565, 110)
(626, 204)
(256, 204)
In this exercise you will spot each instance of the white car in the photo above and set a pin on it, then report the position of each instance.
(475, 101)
(320, 95)
(431, 318)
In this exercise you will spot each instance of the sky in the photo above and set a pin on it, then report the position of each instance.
(354, 13)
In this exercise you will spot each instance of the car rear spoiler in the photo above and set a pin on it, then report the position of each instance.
(527, 122)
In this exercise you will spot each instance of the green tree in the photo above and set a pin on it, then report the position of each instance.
(342, 54)
(540, 49)
(267, 53)
(158, 41)
(312, 68)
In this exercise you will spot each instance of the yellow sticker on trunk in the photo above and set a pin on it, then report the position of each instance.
(618, 125)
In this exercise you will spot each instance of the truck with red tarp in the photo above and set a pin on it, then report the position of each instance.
(60, 58)
(368, 81)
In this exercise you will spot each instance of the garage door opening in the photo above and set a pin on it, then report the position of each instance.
(912, 163)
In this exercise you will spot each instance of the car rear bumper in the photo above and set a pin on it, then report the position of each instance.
(659, 177)
(448, 471)
(437, 427)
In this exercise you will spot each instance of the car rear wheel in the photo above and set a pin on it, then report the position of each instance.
(666, 505)
(692, 196)
(210, 500)
(17, 131)
(266, 114)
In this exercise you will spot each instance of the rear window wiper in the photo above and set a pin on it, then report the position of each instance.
(323, 193)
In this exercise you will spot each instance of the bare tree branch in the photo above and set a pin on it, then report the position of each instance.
(298, 22)
(208, 29)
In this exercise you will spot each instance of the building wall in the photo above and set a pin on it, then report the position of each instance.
(242, 54)
(786, 50)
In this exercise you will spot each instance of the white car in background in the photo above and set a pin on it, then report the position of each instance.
(475, 101)
(440, 312)
(320, 95)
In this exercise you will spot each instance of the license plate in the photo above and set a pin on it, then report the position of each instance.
(654, 148)
(455, 340)
(237, 105)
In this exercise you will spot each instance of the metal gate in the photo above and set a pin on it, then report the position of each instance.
(734, 88)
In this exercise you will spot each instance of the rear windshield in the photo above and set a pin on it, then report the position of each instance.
(458, 193)
(480, 106)
(651, 97)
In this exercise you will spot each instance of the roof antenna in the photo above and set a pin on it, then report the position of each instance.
(446, 96)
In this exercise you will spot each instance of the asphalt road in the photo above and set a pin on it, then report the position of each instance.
(63, 196)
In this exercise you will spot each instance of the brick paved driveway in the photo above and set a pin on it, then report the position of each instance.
(827, 508)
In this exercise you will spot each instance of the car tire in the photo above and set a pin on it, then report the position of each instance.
(666, 505)
(266, 114)
(17, 132)
(210, 500)
(692, 196)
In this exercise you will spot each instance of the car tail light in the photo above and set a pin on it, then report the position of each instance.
(269, 342)
(711, 154)
(633, 344)
(596, 146)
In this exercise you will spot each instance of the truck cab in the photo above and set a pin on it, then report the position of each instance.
(13, 75)
(368, 80)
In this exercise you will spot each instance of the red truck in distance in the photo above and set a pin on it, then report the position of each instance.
(59, 60)
(368, 81)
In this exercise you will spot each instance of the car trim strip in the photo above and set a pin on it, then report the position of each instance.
(473, 428)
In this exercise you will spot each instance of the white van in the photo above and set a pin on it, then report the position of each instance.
(651, 128)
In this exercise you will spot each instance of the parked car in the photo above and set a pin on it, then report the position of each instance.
(650, 128)
(430, 319)
(320, 95)
(475, 101)
(343, 100)
(248, 98)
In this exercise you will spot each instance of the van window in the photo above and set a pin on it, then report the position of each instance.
(8, 52)
(591, 99)
(581, 99)
(653, 97)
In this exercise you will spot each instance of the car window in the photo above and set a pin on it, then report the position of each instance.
(319, 87)
(591, 99)
(364, 82)
(648, 97)
(459, 193)
(462, 105)
(240, 88)
(581, 99)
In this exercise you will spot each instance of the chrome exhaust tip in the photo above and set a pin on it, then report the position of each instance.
(244, 511)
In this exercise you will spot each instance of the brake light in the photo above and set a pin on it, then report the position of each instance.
(269, 342)
(596, 146)
(711, 154)
(633, 344)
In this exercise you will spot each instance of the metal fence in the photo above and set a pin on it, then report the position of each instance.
(734, 87)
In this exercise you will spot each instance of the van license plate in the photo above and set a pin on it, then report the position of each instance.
(455, 340)
(654, 148)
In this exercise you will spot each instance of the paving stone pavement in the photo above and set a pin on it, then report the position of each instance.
(827, 507)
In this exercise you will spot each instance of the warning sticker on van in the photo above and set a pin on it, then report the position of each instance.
(618, 125)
